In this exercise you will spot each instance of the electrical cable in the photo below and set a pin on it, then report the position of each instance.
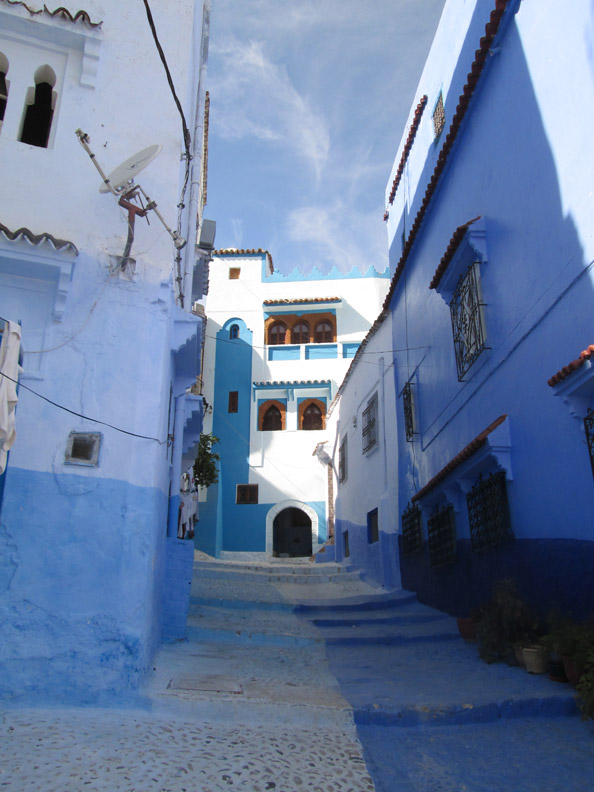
(80, 415)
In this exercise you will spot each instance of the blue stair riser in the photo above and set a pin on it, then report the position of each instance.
(205, 635)
(391, 640)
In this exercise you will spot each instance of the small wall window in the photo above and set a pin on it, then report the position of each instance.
(234, 273)
(312, 415)
(343, 461)
(346, 548)
(369, 425)
(39, 108)
(277, 333)
(233, 401)
(246, 493)
(83, 448)
(3, 86)
(234, 331)
(372, 526)
(323, 333)
(300, 333)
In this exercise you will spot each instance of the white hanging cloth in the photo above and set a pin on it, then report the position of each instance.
(9, 365)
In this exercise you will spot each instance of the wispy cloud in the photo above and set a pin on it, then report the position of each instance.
(255, 98)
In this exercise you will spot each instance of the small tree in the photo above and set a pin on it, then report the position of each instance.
(205, 466)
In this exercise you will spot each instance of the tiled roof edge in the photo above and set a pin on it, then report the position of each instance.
(37, 239)
(301, 300)
(451, 249)
(571, 367)
(407, 146)
(61, 12)
(485, 43)
(282, 383)
(462, 456)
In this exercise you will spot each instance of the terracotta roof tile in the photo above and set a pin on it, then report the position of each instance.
(38, 239)
(451, 249)
(407, 147)
(243, 252)
(466, 452)
(571, 367)
(303, 300)
(288, 383)
(475, 70)
(61, 12)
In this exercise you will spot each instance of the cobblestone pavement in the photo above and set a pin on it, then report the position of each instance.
(132, 751)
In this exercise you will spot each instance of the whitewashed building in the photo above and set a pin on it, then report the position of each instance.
(92, 575)
(277, 347)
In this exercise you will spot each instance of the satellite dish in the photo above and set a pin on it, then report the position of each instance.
(126, 172)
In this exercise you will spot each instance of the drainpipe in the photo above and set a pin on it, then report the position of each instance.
(196, 167)
(176, 460)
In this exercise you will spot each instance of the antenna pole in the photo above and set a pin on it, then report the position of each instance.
(84, 140)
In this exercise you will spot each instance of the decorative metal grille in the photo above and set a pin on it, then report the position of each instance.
(488, 512)
(369, 431)
(438, 117)
(467, 321)
(589, 427)
(412, 536)
(342, 461)
(441, 533)
(409, 416)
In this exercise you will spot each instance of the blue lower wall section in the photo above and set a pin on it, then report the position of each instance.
(377, 560)
(550, 573)
(81, 586)
(179, 566)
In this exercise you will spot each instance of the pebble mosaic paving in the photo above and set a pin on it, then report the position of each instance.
(133, 751)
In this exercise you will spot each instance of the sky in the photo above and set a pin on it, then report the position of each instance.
(309, 101)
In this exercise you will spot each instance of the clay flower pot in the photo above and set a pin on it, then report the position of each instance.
(535, 659)
(466, 628)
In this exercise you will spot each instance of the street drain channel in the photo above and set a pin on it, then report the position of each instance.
(213, 683)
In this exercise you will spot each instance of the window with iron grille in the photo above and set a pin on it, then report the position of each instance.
(409, 412)
(441, 532)
(342, 460)
(372, 526)
(438, 117)
(488, 512)
(246, 493)
(589, 427)
(369, 424)
(467, 320)
(412, 535)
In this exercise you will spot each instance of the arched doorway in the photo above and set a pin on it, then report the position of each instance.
(291, 534)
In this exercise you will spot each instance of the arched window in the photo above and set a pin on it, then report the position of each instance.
(272, 420)
(312, 418)
(234, 331)
(39, 108)
(3, 86)
(323, 333)
(277, 333)
(300, 333)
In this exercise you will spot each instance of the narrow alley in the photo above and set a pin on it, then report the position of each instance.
(298, 676)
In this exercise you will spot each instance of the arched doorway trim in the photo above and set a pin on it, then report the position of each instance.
(288, 504)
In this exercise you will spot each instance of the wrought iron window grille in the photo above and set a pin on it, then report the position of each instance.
(342, 461)
(441, 532)
(412, 535)
(438, 117)
(488, 512)
(589, 427)
(409, 412)
(369, 430)
(466, 310)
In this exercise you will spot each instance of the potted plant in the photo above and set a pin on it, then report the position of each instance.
(467, 624)
(571, 641)
(585, 686)
(506, 622)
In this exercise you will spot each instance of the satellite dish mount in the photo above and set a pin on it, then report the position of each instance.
(120, 183)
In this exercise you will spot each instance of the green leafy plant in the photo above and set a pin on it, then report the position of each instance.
(506, 621)
(585, 686)
(205, 466)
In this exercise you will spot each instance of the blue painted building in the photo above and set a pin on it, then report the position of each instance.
(277, 345)
(93, 576)
(490, 213)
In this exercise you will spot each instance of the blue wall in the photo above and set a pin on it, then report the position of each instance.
(538, 311)
(80, 603)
